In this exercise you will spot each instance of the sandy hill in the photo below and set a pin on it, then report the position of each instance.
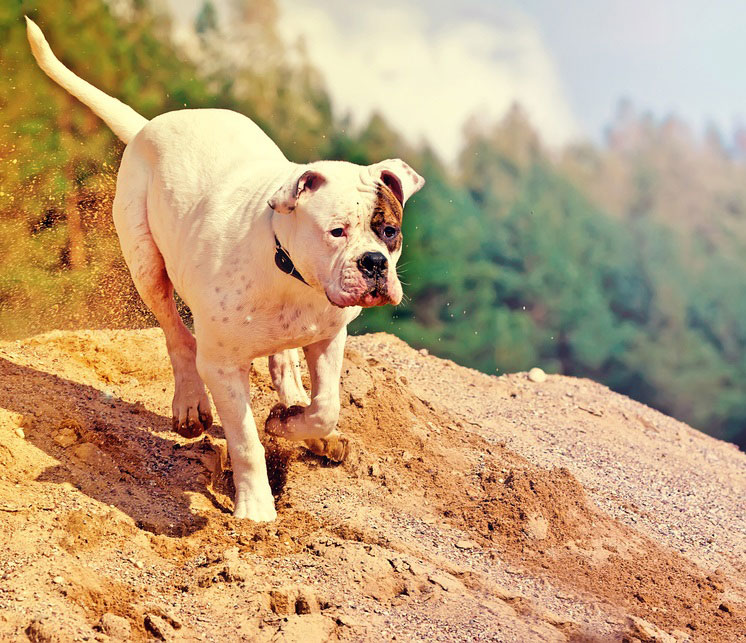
(471, 508)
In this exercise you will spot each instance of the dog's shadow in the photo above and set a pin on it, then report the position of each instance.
(115, 451)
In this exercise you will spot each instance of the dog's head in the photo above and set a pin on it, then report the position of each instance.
(342, 225)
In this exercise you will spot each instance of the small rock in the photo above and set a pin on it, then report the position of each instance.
(153, 609)
(445, 582)
(647, 632)
(374, 470)
(726, 607)
(115, 626)
(424, 351)
(552, 618)
(90, 453)
(348, 621)
(40, 631)
(58, 580)
(537, 375)
(416, 568)
(466, 544)
(20, 433)
(66, 437)
(139, 564)
(158, 627)
(504, 594)
(235, 571)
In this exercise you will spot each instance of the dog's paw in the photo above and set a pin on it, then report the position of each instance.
(254, 507)
(278, 420)
(336, 447)
(191, 408)
(192, 423)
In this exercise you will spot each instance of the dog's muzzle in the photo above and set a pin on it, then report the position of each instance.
(374, 268)
(373, 265)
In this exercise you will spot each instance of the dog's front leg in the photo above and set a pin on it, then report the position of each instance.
(284, 368)
(231, 396)
(316, 424)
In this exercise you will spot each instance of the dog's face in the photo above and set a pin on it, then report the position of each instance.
(345, 228)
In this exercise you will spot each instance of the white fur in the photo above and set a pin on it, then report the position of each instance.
(124, 121)
(191, 211)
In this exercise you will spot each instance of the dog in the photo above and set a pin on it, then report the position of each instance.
(269, 255)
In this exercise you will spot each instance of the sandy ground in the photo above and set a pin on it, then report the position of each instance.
(472, 508)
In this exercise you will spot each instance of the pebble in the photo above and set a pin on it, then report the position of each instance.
(445, 582)
(466, 544)
(416, 568)
(537, 375)
(91, 454)
(235, 571)
(65, 437)
(20, 433)
(349, 621)
(58, 580)
(158, 627)
(40, 631)
(647, 632)
(115, 626)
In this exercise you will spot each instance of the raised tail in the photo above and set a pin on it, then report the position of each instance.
(124, 121)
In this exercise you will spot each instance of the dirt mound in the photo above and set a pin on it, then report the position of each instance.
(446, 522)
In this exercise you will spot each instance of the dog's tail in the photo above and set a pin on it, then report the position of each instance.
(124, 121)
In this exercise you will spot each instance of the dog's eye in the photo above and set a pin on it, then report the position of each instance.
(390, 232)
(337, 232)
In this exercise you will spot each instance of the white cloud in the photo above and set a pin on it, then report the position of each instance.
(427, 79)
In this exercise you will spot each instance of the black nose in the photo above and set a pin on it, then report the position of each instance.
(372, 264)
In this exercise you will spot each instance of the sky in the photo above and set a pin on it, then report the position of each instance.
(430, 65)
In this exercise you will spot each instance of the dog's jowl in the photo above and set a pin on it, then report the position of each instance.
(269, 255)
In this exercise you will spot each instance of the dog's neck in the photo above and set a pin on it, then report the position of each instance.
(285, 263)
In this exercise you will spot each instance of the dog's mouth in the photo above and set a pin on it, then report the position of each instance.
(373, 297)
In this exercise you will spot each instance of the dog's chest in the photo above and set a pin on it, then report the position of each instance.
(250, 324)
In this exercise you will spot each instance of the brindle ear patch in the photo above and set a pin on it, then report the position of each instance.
(387, 211)
(392, 182)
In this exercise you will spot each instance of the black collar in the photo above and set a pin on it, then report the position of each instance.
(285, 263)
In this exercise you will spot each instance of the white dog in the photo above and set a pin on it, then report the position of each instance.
(269, 256)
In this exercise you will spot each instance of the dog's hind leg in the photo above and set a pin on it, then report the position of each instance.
(284, 368)
(191, 406)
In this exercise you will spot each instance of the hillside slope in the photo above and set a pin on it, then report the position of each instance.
(471, 508)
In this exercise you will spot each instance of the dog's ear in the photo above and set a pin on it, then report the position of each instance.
(401, 179)
(286, 198)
